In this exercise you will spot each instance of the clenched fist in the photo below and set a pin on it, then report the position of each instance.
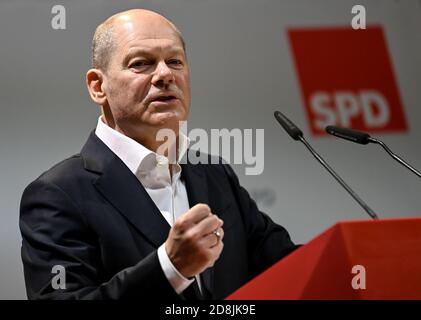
(192, 245)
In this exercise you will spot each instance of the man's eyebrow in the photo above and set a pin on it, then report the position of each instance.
(148, 53)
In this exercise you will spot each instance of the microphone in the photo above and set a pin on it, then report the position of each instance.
(297, 135)
(289, 127)
(365, 138)
(348, 134)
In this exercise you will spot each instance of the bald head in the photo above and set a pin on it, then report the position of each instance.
(106, 35)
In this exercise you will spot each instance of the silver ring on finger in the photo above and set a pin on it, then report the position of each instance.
(218, 235)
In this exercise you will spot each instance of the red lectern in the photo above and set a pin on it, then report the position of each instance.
(387, 254)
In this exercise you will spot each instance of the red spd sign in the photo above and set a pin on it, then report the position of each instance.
(347, 79)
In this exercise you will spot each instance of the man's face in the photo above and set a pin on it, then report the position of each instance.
(147, 82)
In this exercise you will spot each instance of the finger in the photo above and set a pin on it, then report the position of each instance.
(194, 215)
(216, 250)
(211, 239)
(222, 223)
(219, 235)
(198, 213)
(207, 225)
(221, 232)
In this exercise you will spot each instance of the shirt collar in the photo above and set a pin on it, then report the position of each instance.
(134, 155)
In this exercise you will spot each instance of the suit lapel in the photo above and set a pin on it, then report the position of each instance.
(124, 191)
(196, 184)
(197, 190)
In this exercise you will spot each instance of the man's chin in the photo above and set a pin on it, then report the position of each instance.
(167, 119)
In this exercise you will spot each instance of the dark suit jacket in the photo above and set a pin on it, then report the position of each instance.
(91, 215)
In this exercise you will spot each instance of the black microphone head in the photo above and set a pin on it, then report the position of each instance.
(349, 134)
(288, 125)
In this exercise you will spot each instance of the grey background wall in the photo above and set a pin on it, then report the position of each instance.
(242, 70)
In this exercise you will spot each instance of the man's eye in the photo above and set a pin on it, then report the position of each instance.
(175, 62)
(138, 64)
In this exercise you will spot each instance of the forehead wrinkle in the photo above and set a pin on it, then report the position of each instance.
(152, 46)
(148, 28)
(138, 35)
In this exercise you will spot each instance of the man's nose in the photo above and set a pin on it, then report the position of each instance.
(163, 75)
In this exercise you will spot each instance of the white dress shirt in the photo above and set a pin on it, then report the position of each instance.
(167, 192)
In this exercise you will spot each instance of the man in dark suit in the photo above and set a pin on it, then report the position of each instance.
(125, 219)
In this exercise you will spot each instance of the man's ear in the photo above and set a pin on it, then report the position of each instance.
(94, 81)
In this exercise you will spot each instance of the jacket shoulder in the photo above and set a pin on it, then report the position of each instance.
(65, 174)
(63, 170)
